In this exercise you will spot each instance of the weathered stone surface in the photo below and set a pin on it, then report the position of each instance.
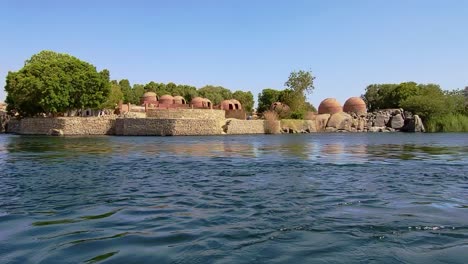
(299, 125)
(241, 127)
(413, 124)
(321, 122)
(376, 129)
(340, 121)
(56, 132)
(381, 119)
(397, 121)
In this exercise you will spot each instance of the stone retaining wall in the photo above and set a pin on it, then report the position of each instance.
(167, 127)
(186, 113)
(69, 125)
(239, 127)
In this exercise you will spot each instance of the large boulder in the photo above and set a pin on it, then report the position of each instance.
(321, 122)
(340, 121)
(381, 119)
(413, 124)
(397, 121)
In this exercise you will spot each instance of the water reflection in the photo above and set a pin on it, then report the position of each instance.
(233, 199)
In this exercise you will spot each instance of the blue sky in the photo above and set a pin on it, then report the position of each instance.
(248, 45)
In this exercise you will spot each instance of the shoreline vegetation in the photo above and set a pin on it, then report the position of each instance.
(52, 84)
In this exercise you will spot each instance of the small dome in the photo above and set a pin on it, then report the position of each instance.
(237, 104)
(330, 106)
(355, 105)
(227, 105)
(179, 100)
(148, 97)
(197, 102)
(149, 94)
(279, 106)
(166, 99)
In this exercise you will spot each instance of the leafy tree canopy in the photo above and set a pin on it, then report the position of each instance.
(54, 83)
(266, 98)
(215, 93)
(245, 98)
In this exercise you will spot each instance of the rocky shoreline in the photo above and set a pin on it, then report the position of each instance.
(388, 120)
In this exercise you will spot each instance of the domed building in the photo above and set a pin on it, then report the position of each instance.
(166, 99)
(330, 106)
(207, 103)
(179, 100)
(149, 98)
(232, 104)
(199, 102)
(355, 105)
(281, 109)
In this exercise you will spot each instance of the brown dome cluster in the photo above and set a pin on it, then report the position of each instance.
(330, 106)
(232, 104)
(200, 102)
(355, 105)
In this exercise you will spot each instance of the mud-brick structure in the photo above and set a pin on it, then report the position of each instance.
(330, 106)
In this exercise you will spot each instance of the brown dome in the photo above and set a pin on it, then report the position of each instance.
(166, 99)
(148, 97)
(179, 100)
(279, 106)
(329, 106)
(281, 109)
(355, 105)
(197, 102)
(207, 103)
(237, 104)
(227, 105)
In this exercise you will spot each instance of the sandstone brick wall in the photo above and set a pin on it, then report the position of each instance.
(236, 126)
(104, 125)
(166, 127)
(69, 125)
(40, 126)
(186, 113)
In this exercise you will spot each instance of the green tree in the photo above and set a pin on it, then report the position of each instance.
(114, 97)
(126, 88)
(266, 98)
(138, 91)
(215, 93)
(301, 82)
(54, 83)
(245, 98)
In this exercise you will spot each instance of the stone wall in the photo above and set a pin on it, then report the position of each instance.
(186, 113)
(239, 127)
(167, 127)
(104, 125)
(68, 125)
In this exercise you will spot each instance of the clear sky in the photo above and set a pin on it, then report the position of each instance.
(248, 45)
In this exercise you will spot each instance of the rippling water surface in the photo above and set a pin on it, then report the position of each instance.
(321, 198)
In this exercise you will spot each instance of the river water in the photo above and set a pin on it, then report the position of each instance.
(318, 198)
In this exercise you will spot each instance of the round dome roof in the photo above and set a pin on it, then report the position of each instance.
(179, 99)
(149, 94)
(279, 106)
(166, 97)
(355, 105)
(197, 100)
(234, 101)
(329, 106)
